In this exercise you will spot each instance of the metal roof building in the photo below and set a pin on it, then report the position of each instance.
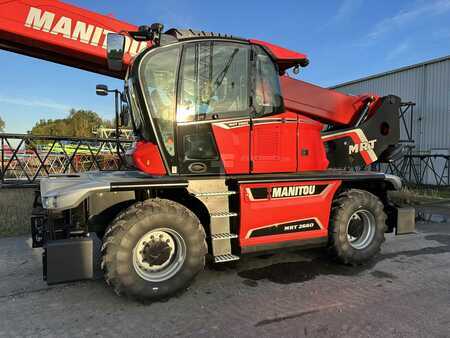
(428, 85)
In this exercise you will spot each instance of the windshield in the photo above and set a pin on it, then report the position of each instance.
(159, 73)
(135, 121)
(213, 81)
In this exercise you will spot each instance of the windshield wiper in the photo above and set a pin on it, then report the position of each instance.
(224, 72)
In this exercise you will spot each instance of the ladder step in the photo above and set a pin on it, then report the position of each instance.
(217, 237)
(215, 193)
(223, 214)
(225, 258)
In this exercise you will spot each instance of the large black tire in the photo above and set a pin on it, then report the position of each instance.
(353, 213)
(127, 232)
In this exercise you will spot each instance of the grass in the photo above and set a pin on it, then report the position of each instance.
(15, 211)
(414, 195)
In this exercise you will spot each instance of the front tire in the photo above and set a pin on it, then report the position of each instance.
(153, 250)
(357, 226)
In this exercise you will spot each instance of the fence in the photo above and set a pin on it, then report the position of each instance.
(26, 158)
(420, 169)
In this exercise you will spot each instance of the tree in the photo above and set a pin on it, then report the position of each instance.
(79, 123)
(82, 122)
(2, 125)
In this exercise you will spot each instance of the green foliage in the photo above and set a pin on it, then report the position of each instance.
(2, 125)
(79, 123)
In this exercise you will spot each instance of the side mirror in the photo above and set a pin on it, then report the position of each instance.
(115, 47)
(101, 90)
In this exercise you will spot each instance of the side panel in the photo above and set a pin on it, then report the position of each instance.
(366, 144)
(311, 150)
(345, 150)
(233, 141)
(274, 144)
(282, 212)
(147, 158)
(197, 150)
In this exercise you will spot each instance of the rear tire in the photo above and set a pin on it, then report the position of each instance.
(357, 226)
(153, 250)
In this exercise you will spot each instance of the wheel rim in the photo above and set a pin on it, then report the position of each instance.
(361, 229)
(159, 254)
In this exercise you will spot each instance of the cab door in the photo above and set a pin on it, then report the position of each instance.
(273, 132)
(213, 131)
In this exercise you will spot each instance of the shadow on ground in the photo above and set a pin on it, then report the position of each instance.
(298, 272)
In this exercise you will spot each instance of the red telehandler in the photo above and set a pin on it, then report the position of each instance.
(231, 156)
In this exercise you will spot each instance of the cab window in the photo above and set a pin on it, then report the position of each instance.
(213, 81)
(159, 79)
(268, 97)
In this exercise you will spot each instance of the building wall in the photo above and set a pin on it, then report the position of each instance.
(426, 84)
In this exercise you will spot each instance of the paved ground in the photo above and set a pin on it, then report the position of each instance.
(405, 292)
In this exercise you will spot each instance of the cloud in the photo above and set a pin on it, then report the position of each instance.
(173, 14)
(34, 103)
(344, 12)
(346, 9)
(404, 17)
(398, 51)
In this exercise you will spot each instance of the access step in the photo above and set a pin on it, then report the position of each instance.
(225, 258)
(215, 193)
(223, 214)
(218, 237)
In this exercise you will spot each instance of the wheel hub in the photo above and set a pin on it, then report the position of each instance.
(159, 254)
(361, 229)
(156, 253)
(356, 226)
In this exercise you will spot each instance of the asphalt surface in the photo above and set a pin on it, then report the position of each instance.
(404, 292)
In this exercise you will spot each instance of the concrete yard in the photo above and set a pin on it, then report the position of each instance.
(404, 292)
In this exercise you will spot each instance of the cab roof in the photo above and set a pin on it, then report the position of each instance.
(283, 57)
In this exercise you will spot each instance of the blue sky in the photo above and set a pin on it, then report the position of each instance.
(344, 40)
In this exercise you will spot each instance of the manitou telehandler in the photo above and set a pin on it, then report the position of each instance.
(232, 156)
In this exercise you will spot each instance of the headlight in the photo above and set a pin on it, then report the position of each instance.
(49, 202)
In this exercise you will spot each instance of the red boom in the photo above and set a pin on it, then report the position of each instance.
(69, 35)
(62, 33)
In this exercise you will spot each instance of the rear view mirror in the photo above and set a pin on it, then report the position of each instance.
(115, 46)
(125, 116)
(101, 90)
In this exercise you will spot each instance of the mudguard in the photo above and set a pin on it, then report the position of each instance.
(67, 192)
